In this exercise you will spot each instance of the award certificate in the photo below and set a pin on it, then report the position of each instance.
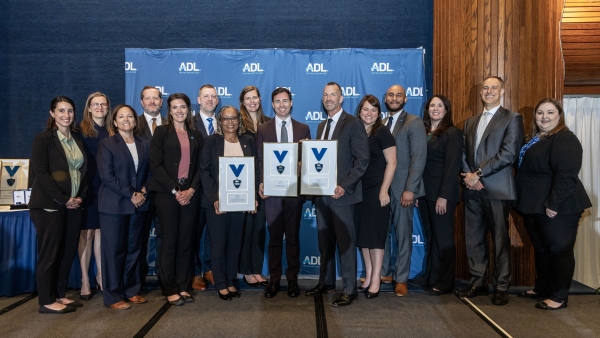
(280, 169)
(236, 184)
(319, 167)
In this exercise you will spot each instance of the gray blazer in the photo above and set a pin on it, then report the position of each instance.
(411, 155)
(352, 156)
(498, 151)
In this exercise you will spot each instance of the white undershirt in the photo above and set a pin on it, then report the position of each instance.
(134, 154)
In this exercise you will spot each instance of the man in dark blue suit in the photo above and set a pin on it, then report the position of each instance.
(206, 123)
(335, 214)
(283, 213)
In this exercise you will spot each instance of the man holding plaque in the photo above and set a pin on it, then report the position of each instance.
(283, 213)
(335, 214)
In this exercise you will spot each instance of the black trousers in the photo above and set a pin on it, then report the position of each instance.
(483, 215)
(553, 241)
(200, 254)
(147, 229)
(57, 239)
(440, 246)
(335, 224)
(177, 228)
(283, 216)
(121, 244)
(253, 243)
(225, 239)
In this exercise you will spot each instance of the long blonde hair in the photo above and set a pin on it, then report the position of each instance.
(87, 124)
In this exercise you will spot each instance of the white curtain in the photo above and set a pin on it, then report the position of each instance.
(582, 116)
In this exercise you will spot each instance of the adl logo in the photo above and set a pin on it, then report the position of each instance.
(315, 116)
(312, 260)
(350, 92)
(129, 68)
(414, 91)
(310, 213)
(223, 92)
(188, 68)
(382, 67)
(252, 68)
(316, 68)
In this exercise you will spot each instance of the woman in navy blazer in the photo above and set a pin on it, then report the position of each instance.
(442, 193)
(174, 155)
(225, 229)
(552, 199)
(58, 169)
(123, 164)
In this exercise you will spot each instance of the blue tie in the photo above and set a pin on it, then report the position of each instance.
(390, 121)
(211, 129)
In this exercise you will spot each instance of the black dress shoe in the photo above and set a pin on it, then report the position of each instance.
(474, 291)
(72, 304)
(271, 290)
(254, 285)
(544, 306)
(524, 294)
(264, 283)
(361, 288)
(235, 294)
(500, 298)
(187, 298)
(86, 297)
(371, 295)
(344, 299)
(226, 296)
(44, 309)
(319, 289)
(293, 289)
(432, 292)
(177, 302)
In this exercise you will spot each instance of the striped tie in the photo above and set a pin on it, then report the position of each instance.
(211, 129)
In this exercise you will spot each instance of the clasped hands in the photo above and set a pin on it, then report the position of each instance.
(472, 181)
(138, 198)
(183, 197)
(74, 203)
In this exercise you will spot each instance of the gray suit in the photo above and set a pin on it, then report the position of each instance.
(335, 217)
(488, 208)
(411, 155)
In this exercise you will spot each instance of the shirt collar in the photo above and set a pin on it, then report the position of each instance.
(278, 120)
(337, 115)
(493, 110)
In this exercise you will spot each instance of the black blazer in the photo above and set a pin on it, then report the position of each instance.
(165, 155)
(51, 186)
(444, 157)
(119, 177)
(352, 156)
(548, 176)
(214, 147)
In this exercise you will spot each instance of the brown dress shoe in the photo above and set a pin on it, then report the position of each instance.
(387, 279)
(122, 305)
(401, 289)
(198, 283)
(137, 299)
(208, 275)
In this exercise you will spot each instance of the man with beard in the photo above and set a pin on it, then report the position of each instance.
(205, 121)
(411, 153)
(335, 214)
(151, 100)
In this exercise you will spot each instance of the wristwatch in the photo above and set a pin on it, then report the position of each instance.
(478, 172)
(175, 190)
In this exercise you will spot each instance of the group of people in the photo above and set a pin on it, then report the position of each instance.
(101, 185)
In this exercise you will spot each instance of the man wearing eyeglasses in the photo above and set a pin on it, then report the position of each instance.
(206, 123)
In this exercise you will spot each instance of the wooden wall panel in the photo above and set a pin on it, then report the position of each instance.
(517, 40)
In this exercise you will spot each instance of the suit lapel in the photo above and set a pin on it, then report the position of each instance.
(320, 130)
(200, 125)
(339, 125)
(192, 142)
(140, 152)
(125, 150)
(58, 144)
(220, 147)
(492, 124)
(296, 129)
(145, 128)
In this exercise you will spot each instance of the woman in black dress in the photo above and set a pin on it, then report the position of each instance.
(552, 199)
(442, 193)
(92, 129)
(373, 213)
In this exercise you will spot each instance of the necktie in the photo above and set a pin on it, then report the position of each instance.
(284, 134)
(153, 124)
(326, 136)
(481, 128)
(390, 122)
(211, 129)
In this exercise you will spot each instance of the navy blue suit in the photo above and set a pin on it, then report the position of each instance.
(121, 222)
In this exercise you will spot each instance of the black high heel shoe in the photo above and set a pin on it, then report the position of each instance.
(86, 297)
(363, 288)
(226, 296)
(235, 294)
(371, 295)
(254, 285)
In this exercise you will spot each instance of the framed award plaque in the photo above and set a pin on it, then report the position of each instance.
(319, 167)
(237, 191)
(280, 169)
(14, 176)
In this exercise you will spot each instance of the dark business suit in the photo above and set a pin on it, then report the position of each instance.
(441, 180)
(58, 231)
(177, 221)
(122, 224)
(144, 132)
(488, 208)
(335, 217)
(548, 178)
(225, 230)
(283, 213)
(201, 259)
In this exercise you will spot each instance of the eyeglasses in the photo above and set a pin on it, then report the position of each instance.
(229, 119)
(96, 105)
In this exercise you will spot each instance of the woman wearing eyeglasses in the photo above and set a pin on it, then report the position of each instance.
(174, 154)
(253, 242)
(225, 229)
(92, 130)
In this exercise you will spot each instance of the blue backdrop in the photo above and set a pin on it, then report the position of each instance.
(304, 73)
